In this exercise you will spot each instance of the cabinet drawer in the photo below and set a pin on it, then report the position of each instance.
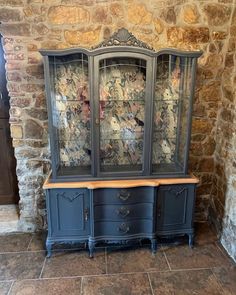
(124, 196)
(122, 229)
(123, 212)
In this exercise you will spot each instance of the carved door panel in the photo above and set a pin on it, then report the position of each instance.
(8, 182)
(68, 212)
(175, 207)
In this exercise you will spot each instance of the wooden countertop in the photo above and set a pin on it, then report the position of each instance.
(123, 183)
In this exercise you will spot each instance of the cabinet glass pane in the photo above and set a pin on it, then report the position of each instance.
(122, 87)
(171, 107)
(71, 113)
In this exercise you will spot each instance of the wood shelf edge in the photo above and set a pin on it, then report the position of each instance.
(120, 183)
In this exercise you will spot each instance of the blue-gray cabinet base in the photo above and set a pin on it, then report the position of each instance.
(116, 215)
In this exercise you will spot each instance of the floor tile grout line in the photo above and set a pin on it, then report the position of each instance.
(190, 269)
(112, 274)
(218, 281)
(167, 261)
(22, 252)
(9, 291)
(6, 281)
(44, 262)
(150, 283)
(223, 252)
(81, 285)
(29, 243)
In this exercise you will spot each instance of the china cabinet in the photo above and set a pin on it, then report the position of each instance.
(119, 126)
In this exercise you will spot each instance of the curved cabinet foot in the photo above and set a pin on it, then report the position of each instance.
(190, 240)
(154, 246)
(91, 246)
(49, 249)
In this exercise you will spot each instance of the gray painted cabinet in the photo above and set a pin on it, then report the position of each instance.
(119, 215)
(120, 111)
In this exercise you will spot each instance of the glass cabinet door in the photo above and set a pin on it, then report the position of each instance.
(171, 113)
(122, 98)
(70, 107)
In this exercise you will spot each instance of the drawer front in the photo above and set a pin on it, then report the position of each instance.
(123, 212)
(123, 229)
(124, 196)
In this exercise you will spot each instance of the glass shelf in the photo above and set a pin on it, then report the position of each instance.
(122, 90)
(71, 112)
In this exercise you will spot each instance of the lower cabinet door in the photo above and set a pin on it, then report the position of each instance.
(68, 212)
(175, 207)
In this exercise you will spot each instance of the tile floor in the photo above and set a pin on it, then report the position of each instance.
(175, 269)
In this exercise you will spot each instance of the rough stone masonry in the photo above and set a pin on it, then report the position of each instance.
(210, 26)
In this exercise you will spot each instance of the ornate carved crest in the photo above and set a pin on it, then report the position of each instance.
(123, 38)
(69, 197)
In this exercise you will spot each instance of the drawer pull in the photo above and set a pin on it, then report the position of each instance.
(124, 196)
(123, 212)
(123, 228)
(86, 213)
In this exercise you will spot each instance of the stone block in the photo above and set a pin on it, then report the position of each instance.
(15, 56)
(40, 29)
(228, 92)
(217, 14)
(219, 35)
(158, 24)
(196, 149)
(210, 92)
(201, 126)
(188, 35)
(20, 102)
(229, 60)
(168, 15)
(14, 76)
(206, 165)
(86, 37)
(39, 114)
(139, 15)
(196, 35)
(227, 115)
(12, 2)
(190, 14)
(214, 61)
(35, 71)
(116, 10)
(33, 130)
(59, 15)
(10, 15)
(101, 15)
(209, 146)
(16, 30)
(16, 131)
(29, 88)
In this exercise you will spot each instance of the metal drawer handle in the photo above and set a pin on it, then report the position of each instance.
(123, 228)
(86, 214)
(124, 197)
(123, 212)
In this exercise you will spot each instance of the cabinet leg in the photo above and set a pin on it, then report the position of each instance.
(91, 246)
(154, 246)
(49, 249)
(190, 240)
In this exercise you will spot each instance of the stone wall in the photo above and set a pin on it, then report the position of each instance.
(223, 198)
(28, 25)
